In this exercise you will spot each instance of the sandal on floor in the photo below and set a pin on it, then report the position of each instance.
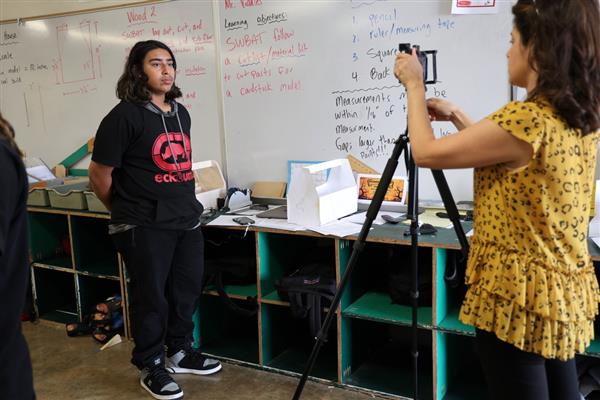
(79, 328)
(110, 306)
(103, 334)
(112, 321)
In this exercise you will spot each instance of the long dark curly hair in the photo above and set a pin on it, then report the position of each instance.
(133, 83)
(8, 133)
(564, 36)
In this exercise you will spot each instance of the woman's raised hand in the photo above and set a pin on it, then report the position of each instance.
(440, 109)
(408, 69)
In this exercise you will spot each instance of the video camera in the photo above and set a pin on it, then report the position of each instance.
(423, 57)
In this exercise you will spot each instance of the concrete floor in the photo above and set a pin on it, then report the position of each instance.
(74, 368)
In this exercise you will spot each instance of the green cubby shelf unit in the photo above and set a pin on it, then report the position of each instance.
(368, 345)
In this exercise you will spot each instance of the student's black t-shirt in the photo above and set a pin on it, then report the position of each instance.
(16, 381)
(153, 184)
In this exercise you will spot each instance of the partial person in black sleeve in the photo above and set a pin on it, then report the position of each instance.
(16, 380)
(141, 170)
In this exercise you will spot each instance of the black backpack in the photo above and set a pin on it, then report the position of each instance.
(309, 289)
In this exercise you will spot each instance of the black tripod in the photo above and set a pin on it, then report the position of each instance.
(401, 145)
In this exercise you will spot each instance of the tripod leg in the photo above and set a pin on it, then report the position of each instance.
(450, 205)
(384, 183)
(413, 215)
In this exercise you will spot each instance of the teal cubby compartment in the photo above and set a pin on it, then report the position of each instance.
(224, 333)
(449, 297)
(286, 344)
(457, 375)
(220, 330)
(283, 253)
(382, 359)
(231, 246)
(286, 341)
(375, 339)
(55, 295)
(93, 250)
(368, 294)
(457, 363)
(49, 239)
(94, 290)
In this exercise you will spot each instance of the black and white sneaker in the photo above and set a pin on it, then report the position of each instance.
(192, 362)
(157, 381)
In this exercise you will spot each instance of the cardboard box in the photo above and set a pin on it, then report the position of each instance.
(210, 184)
(311, 204)
(269, 189)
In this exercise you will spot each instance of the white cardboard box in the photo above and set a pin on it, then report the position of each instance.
(312, 204)
(210, 184)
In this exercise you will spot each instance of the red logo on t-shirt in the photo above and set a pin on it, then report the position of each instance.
(172, 157)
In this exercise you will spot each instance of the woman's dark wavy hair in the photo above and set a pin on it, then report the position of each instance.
(8, 133)
(564, 36)
(133, 83)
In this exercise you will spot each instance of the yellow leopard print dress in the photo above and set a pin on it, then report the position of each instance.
(530, 277)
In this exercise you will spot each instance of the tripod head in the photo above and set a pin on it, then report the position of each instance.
(423, 56)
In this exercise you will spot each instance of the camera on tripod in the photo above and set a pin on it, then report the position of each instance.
(423, 56)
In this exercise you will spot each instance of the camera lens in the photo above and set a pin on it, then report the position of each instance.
(404, 48)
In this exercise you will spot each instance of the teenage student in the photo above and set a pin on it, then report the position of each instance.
(16, 380)
(141, 171)
(532, 292)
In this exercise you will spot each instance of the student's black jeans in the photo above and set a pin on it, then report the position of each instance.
(514, 374)
(165, 269)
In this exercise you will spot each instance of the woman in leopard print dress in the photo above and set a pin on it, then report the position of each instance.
(532, 291)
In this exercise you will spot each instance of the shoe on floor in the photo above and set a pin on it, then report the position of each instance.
(157, 381)
(192, 362)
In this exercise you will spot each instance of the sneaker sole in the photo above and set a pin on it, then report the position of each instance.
(159, 396)
(177, 370)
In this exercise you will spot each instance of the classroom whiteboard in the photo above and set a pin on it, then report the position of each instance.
(276, 80)
(313, 80)
(58, 75)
